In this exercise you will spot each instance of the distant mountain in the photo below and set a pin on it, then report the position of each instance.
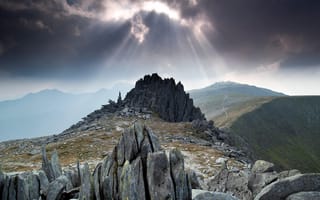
(284, 130)
(49, 111)
(221, 96)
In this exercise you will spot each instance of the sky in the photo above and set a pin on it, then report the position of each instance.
(85, 45)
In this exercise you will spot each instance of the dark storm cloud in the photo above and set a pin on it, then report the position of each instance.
(44, 41)
(67, 37)
(264, 31)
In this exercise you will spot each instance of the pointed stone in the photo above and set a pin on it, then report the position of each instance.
(57, 187)
(22, 188)
(86, 187)
(139, 130)
(131, 181)
(44, 183)
(73, 176)
(154, 140)
(160, 184)
(12, 190)
(46, 165)
(179, 176)
(6, 184)
(55, 163)
(130, 144)
(96, 181)
(2, 182)
(33, 186)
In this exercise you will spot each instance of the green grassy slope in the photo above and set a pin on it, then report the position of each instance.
(284, 130)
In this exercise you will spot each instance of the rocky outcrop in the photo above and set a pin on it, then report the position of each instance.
(262, 166)
(164, 97)
(233, 182)
(285, 188)
(151, 95)
(262, 174)
(137, 169)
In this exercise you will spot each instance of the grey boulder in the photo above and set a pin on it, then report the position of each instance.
(294, 184)
(304, 196)
(207, 195)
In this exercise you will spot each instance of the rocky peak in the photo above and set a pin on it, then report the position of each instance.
(164, 97)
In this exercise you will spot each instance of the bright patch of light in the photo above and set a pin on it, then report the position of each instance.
(124, 10)
(162, 8)
(138, 29)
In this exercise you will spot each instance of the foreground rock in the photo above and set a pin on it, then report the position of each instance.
(138, 169)
(207, 195)
(282, 189)
(233, 182)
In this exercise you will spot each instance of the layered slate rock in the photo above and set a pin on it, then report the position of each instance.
(262, 174)
(235, 183)
(286, 187)
(137, 168)
(207, 195)
(164, 97)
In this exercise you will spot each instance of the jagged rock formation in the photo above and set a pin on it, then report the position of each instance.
(152, 94)
(137, 169)
(164, 97)
(263, 183)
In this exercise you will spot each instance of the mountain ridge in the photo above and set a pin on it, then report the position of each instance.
(217, 98)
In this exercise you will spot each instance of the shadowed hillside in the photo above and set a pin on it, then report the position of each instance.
(284, 130)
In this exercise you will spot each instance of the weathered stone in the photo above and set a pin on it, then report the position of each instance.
(55, 163)
(12, 189)
(6, 184)
(288, 173)
(193, 179)
(159, 178)
(107, 180)
(44, 183)
(86, 187)
(231, 182)
(120, 151)
(46, 165)
(139, 131)
(33, 186)
(179, 177)
(57, 187)
(304, 196)
(73, 176)
(2, 181)
(96, 181)
(130, 144)
(260, 180)
(200, 125)
(294, 184)
(261, 166)
(154, 140)
(132, 182)
(207, 195)
(22, 188)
